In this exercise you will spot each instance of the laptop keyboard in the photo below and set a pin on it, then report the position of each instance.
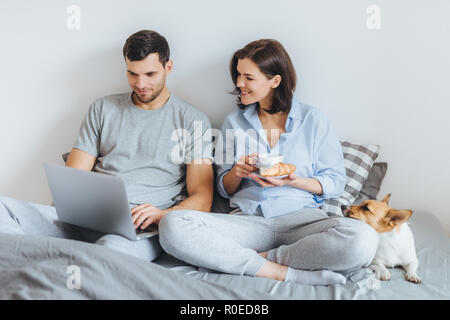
(150, 228)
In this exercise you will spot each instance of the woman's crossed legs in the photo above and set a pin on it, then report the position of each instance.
(303, 247)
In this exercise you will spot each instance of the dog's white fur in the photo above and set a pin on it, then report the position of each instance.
(396, 248)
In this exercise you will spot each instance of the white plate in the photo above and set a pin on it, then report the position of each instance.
(275, 177)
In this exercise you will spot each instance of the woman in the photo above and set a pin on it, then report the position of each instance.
(277, 230)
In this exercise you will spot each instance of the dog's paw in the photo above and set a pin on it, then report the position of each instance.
(383, 275)
(412, 277)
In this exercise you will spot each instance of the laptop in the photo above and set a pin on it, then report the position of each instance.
(93, 200)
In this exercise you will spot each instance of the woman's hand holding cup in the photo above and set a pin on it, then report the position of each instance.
(245, 166)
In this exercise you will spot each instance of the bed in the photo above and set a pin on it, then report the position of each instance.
(34, 267)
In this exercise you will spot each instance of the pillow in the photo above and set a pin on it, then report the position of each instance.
(372, 185)
(358, 159)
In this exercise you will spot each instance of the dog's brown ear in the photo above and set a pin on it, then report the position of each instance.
(386, 199)
(395, 217)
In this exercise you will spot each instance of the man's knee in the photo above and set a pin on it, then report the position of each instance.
(2, 206)
(4, 203)
(9, 222)
(171, 222)
(173, 228)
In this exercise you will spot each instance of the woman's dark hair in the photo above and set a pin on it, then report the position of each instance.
(139, 45)
(272, 59)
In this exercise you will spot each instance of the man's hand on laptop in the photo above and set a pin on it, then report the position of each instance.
(145, 214)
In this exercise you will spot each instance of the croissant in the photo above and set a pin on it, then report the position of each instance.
(280, 169)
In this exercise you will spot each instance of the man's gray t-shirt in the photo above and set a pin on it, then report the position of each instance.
(148, 149)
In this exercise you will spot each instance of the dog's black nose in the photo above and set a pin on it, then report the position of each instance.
(344, 209)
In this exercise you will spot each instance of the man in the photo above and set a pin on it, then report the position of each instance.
(131, 135)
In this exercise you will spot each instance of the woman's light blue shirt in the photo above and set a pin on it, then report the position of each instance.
(309, 143)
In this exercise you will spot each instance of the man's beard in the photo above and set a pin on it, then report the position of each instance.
(152, 97)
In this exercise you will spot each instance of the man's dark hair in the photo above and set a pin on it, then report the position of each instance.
(139, 45)
(272, 59)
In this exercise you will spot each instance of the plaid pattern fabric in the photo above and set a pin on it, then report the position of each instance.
(358, 160)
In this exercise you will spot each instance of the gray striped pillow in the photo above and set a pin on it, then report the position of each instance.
(358, 159)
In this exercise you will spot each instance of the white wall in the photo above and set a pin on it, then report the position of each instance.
(388, 86)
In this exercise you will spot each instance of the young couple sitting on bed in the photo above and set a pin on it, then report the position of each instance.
(276, 231)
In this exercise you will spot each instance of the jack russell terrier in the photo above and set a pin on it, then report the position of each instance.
(396, 243)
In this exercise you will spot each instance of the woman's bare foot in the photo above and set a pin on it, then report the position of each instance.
(263, 254)
(272, 270)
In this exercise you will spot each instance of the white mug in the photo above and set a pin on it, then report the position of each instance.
(267, 160)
